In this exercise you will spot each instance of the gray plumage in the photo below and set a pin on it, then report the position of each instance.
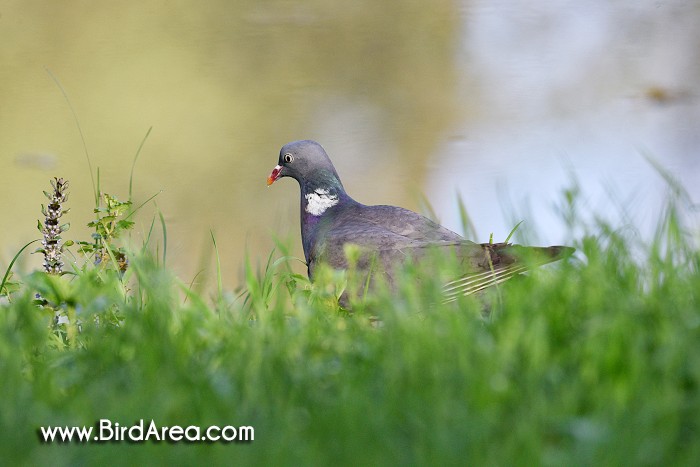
(386, 236)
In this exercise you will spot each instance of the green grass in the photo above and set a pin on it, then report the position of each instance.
(591, 362)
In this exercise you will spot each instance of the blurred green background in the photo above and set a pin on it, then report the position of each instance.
(408, 98)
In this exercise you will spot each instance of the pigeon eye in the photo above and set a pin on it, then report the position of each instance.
(288, 158)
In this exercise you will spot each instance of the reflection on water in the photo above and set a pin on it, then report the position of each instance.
(494, 100)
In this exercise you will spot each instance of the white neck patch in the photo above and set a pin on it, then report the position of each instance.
(320, 200)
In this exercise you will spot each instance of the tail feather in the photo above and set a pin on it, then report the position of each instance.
(501, 262)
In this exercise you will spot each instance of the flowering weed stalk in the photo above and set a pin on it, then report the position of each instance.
(51, 246)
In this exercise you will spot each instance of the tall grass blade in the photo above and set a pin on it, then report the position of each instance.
(427, 208)
(165, 235)
(134, 211)
(95, 188)
(513, 231)
(468, 228)
(133, 164)
(9, 268)
(219, 280)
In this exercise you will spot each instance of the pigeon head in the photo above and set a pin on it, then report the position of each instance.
(307, 162)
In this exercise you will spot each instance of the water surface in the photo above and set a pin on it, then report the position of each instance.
(502, 102)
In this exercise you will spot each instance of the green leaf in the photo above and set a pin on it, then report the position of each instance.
(87, 248)
(9, 286)
(125, 225)
(51, 287)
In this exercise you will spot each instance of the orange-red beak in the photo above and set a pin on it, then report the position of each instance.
(274, 175)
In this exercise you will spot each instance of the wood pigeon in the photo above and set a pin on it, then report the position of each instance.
(387, 236)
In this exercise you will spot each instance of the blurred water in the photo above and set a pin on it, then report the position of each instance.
(576, 90)
(496, 100)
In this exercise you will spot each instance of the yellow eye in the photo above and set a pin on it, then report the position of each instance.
(288, 158)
